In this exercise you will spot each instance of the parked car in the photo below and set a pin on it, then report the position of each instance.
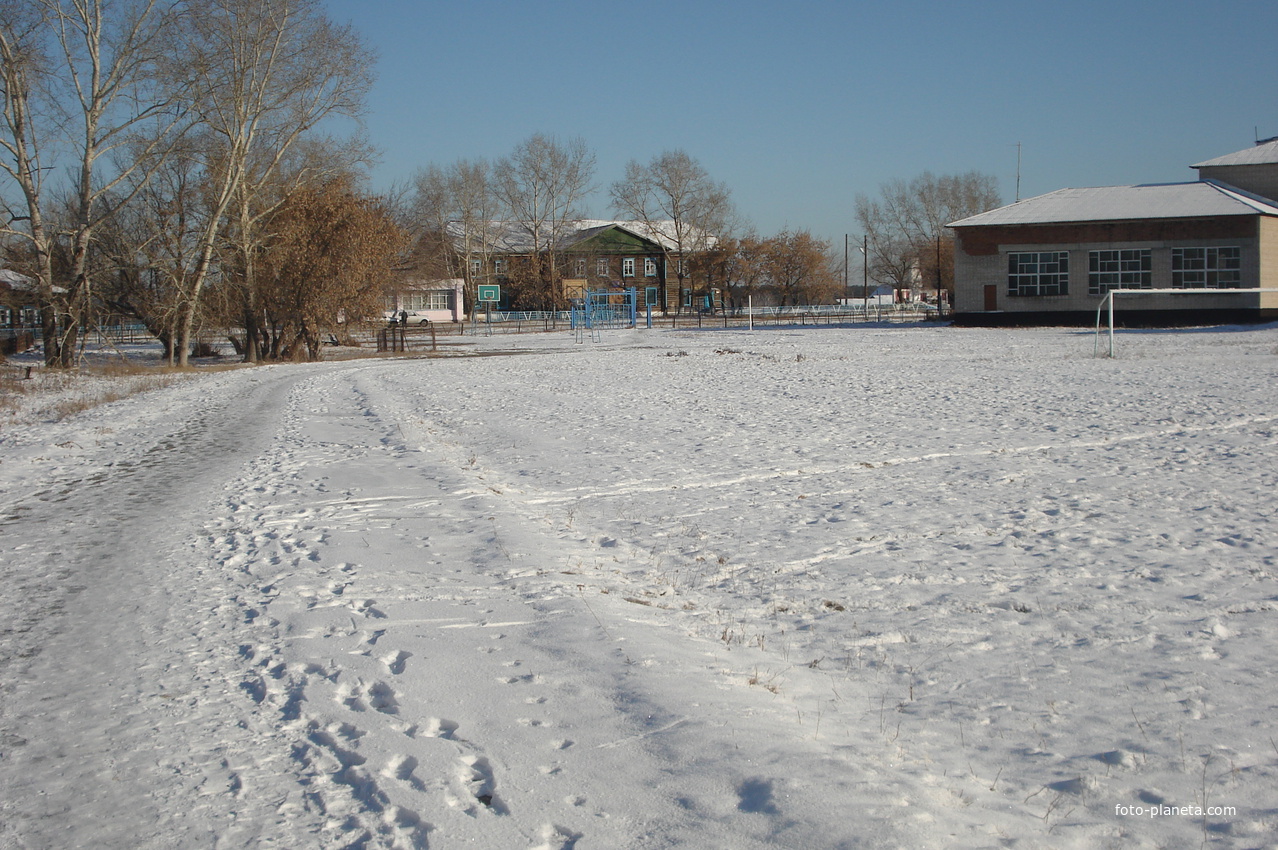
(405, 318)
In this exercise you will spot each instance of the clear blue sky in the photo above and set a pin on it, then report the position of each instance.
(799, 106)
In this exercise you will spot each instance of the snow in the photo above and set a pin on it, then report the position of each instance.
(819, 588)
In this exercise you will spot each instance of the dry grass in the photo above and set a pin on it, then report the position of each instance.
(36, 394)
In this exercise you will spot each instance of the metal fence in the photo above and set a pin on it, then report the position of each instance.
(425, 336)
(802, 316)
(526, 321)
(117, 333)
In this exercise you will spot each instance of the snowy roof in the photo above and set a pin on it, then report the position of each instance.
(1262, 153)
(517, 237)
(1120, 203)
(15, 281)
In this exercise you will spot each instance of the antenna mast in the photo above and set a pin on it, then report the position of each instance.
(1018, 171)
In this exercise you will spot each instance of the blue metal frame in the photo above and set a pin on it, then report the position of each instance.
(606, 308)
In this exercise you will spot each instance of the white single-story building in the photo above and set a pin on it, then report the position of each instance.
(1053, 258)
(427, 300)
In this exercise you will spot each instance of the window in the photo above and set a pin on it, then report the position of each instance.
(499, 267)
(1206, 268)
(580, 266)
(628, 267)
(1121, 269)
(650, 296)
(687, 297)
(476, 267)
(649, 267)
(601, 267)
(439, 300)
(1038, 273)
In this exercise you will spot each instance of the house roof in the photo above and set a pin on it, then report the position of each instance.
(1262, 153)
(13, 280)
(516, 237)
(1205, 198)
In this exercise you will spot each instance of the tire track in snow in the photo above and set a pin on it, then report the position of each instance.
(513, 706)
(117, 711)
(645, 486)
(380, 768)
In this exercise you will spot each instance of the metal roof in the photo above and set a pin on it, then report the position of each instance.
(517, 237)
(1205, 198)
(15, 281)
(1263, 153)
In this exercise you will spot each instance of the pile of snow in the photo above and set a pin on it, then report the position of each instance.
(871, 587)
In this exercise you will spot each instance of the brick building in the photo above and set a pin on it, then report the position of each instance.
(1052, 259)
(585, 254)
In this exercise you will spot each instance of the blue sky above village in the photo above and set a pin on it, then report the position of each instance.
(800, 106)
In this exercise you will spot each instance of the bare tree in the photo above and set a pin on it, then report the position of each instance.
(798, 268)
(736, 265)
(267, 73)
(542, 185)
(905, 227)
(674, 196)
(23, 64)
(455, 208)
(790, 269)
(100, 66)
(116, 54)
(153, 243)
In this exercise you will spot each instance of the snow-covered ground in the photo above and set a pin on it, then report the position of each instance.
(820, 588)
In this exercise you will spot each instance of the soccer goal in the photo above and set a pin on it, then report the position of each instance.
(1108, 302)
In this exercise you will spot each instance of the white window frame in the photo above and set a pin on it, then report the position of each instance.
(1035, 274)
(627, 266)
(1207, 267)
(602, 267)
(649, 267)
(1119, 268)
(427, 299)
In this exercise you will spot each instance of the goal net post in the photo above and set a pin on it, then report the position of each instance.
(1107, 306)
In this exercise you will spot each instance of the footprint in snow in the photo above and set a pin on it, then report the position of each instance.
(368, 609)
(396, 661)
(556, 837)
(401, 767)
(378, 696)
(439, 728)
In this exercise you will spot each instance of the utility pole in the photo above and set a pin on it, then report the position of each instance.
(865, 270)
(847, 293)
(939, 309)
